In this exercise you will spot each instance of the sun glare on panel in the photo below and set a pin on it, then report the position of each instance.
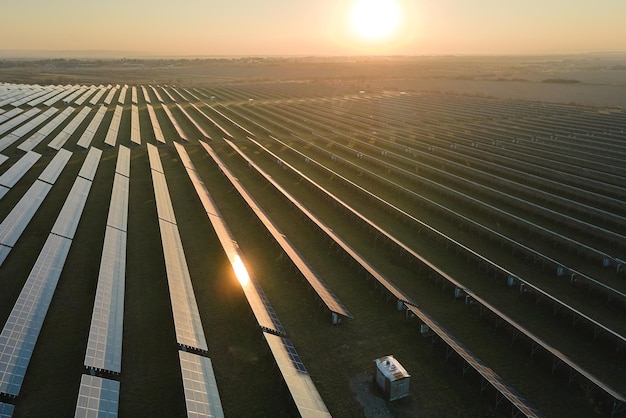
(240, 271)
(375, 19)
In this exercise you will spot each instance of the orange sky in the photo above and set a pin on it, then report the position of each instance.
(297, 27)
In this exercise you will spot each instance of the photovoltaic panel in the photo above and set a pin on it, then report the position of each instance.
(135, 130)
(90, 165)
(83, 98)
(56, 165)
(189, 331)
(121, 99)
(8, 115)
(3, 158)
(104, 347)
(65, 134)
(89, 133)
(75, 94)
(155, 160)
(198, 127)
(114, 127)
(52, 100)
(27, 127)
(22, 328)
(165, 210)
(179, 130)
(156, 127)
(109, 98)
(133, 95)
(210, 119)
(3, 191)
(98, 95)
(10, 177)
(146, 97)
(202, 397)
(156, 93)
(97, 398)
(331, 301)
(6, 410)
(4, 253)
(261, 308)
(16, 221)
(45, 130)
(301, 387)
(123, 161)
(168, 94)
(118, 208)
(68, 218)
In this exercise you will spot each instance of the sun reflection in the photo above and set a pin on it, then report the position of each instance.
(240, 271)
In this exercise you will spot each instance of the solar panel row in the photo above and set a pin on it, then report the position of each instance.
(55, 90)
(96, 97)
(121, 99)
(69, 129)
(198, 127)
(45, 130)
(22, 328)
(146, 97)
(111, 137)
(201, 394)
(109, 99)
(156, 93)
(97, 398)
(135, 132)
(16, 221)
(87, 136)
(212, 121)
(187, 323)
(179, 130)
(331, 301)
(83, 98)
(133, 95)
(63, 93)
(10, 177)
(261, 308)
(22, 130)
(158, 133)
(75, 94)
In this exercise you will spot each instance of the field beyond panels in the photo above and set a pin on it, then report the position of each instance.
(487, 213)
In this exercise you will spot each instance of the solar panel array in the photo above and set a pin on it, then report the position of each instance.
(104, 346)
(97, 398)
(87, 136)
(10, 177)
(114, 127)
(69, 129)
(83, 98)
(22, 130)
(16, 221)
(260, 305)
(22, 328)
(46, 130)
(198, 127)
(210, 119)
(331, 301)
(201, 394)
(189, 331)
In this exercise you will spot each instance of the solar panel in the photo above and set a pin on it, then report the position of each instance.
(122, 97)
(202, 397)
(90, 165)
(56, 165)
(16, 221)
(179, 130)
(68, 218)
(4, 253)
(165, 210)
(260, 305)
(3, 158)
(104, 347)
(155, 160)
(156, 93)
(123, 161)
(301, 387)
(10, 177)
(145, 94)
(3, 191)
(198, 127)
(6, 410)
(133, 95)
(65, 134)
(97, 398)
(158, 133)
(22, 328)
(45, 130)
(114, 127)
(189, 331)
(98, 95)
(109, 97)
(89, 133)
(118, 208)
(135, 130)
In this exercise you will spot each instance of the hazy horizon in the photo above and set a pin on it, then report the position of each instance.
(197, 28)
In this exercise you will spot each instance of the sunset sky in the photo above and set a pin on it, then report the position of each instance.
(322, 27)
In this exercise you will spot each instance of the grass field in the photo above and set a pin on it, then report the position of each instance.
(330, 114)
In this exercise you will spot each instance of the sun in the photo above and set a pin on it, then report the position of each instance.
(375, 19)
